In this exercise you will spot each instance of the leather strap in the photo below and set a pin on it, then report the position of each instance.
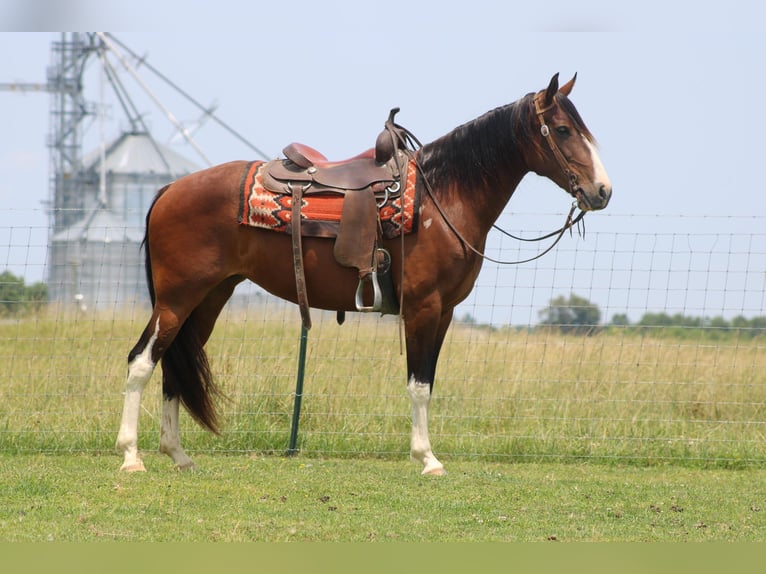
(300, 276)
(546, 133)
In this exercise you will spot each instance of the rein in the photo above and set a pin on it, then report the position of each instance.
(568, 224)
(559, 233)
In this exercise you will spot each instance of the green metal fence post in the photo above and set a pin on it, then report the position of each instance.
(291, 449)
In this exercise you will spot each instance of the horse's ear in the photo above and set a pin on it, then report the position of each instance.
(553, 87)
(566, 89)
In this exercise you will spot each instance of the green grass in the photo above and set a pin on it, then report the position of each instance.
(272, 498)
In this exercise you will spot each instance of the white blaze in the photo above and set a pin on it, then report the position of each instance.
(599, 173)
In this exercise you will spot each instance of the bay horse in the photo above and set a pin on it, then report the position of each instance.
(196, 254)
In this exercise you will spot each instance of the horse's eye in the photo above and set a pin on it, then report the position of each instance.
(562, 130)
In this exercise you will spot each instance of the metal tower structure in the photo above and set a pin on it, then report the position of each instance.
(68, 111)
(96, 203)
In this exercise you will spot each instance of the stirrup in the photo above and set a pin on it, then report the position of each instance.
(377, 298)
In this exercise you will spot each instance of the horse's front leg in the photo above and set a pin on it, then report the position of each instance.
(420, 444)
(425, 335)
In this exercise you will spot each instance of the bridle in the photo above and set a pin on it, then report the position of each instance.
(570, 175)
(546, 133)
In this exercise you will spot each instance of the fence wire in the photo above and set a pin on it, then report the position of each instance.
(644, 341)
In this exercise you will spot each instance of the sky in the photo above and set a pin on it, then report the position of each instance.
(673, 92)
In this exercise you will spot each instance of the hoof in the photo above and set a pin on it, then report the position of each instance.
(135, 467)
(435, 471)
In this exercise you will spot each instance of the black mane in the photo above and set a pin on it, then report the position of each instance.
(477, 151)
(480, 151)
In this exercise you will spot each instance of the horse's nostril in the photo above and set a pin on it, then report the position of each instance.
(603, 192)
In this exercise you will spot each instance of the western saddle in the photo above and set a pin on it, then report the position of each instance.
(365, 181)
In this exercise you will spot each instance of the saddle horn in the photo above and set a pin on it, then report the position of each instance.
(386, 144)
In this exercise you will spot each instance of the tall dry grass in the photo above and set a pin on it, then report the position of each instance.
(505, 394)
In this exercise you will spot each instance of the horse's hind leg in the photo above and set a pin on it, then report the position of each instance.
(141, 362)
(204, 318)
(170, 438)
(157, 337)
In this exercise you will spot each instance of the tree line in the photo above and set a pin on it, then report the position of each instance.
(569, 315)
(578, 315)
(18, 298)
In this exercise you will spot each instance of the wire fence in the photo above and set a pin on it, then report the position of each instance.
(644, 341)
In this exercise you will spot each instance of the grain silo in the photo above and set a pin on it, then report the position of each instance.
(96, 263)
(98, 203)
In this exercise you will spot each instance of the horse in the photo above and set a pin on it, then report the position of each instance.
(196, 254)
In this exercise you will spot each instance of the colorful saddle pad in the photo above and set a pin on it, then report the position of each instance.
(320, 213)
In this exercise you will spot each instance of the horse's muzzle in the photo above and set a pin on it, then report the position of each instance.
(595, 198)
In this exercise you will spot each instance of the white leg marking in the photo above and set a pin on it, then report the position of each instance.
(170, 438)
(599, 172)
(139, 372)
(420, 445)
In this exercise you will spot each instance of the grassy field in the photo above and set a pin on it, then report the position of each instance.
(501, 395)
(274, 498)
(614, 437)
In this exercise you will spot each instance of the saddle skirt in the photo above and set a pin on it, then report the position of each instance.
(263, 207)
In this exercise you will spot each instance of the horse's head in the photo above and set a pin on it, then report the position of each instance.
(568, 156)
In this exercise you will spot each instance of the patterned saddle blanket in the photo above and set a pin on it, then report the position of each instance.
(321, 212)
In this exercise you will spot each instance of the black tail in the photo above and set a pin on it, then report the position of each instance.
(145, 245)
(186, 374)
(185, 368)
